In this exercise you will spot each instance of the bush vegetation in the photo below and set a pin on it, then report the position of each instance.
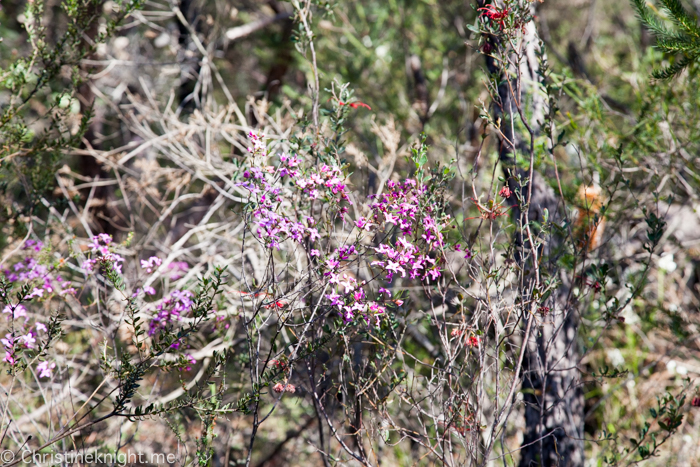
(401, 232)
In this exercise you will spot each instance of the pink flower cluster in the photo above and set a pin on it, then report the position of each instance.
(178, 269)
(408, 206)
(406, 257)
(280, 388)
(41, 276)
(172, 308)
(190, 360)
(100, 242)
(45, 368)
(265, 186)
(258, 143)
(151, 264)
(354, 300)
(44, 284)
(415, 255)
(33, 245)
(9, 343)
(467, 252)
(15, 345)
(15, 312)
(272, 227)
(107, 259)
(325, 179)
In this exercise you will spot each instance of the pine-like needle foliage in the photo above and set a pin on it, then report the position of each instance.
(683, 40)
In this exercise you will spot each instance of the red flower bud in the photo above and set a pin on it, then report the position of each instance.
(355, 105)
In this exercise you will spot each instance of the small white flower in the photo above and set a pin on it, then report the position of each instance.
(382, 51)
(616, 357)
(666, 263)
(671, 366)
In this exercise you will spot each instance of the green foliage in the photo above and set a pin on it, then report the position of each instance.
(40, 121)
(683, 39)
(609, 127)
